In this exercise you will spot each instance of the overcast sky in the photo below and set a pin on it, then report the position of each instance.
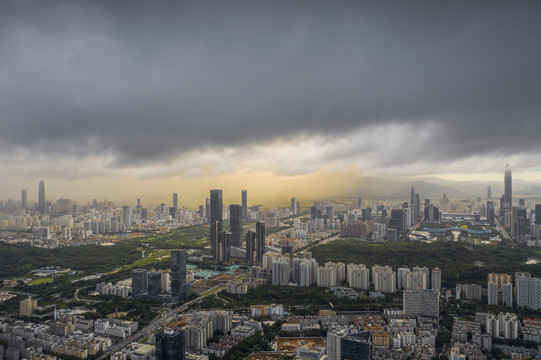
(135, 91)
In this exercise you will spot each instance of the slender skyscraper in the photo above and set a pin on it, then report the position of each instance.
(235, 214)
(41, 199)
(216, 216)
(489, 192)
(508, 194)
(175, 201)
(178, 273)
(259, 242)
(250, 245)
(24, 201)
(412, 196)
(244, 204)
(294, 206)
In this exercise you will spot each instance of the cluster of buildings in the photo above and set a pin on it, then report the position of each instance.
(500, 290)
(162, 286)
(68, 334)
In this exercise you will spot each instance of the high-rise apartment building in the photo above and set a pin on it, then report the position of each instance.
(280, 272)
(235, 214)
(384, 279)
(436, 278)
(178, 273)
(27, 307)
(528, 291)
(358, 276)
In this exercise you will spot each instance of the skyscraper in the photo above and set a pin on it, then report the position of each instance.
(259, 241)
(223, 247)
(24, 201)
(139, 282)
(294, 206)
(178, 273)
(489, 192)
(412, 196)
(244, 204)
(41, 199)
(250, 245)
(216, 216)
(538, 214)
(154, 283)
(175, 201)
(170, 345)
(235, 212)
(508, 192)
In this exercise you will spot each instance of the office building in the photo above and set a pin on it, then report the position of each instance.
(244, 195)
(294, 206)
(154, 283)
(356, 346)
(250, 246)
(170, 345)
(24, 199)
(223, 248)
(178, 273)
(491, 212)
(175, 202)
(538, 214)
(216, 218)
(41, 198)
(139, 282)
(235, 214)
(259, 242)
(489, 192)
(432, 214)
(508, 187)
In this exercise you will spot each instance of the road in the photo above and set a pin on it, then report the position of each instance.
(156, 324)
(504, 231)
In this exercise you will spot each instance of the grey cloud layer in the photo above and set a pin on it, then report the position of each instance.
(148, 81)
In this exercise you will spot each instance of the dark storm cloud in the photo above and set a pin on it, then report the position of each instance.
(147, 81)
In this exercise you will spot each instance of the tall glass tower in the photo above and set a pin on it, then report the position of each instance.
(178, 273)
(508, 192)
(216, 216)
(41, 199)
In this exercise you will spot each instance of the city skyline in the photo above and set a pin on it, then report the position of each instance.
(392, 90)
